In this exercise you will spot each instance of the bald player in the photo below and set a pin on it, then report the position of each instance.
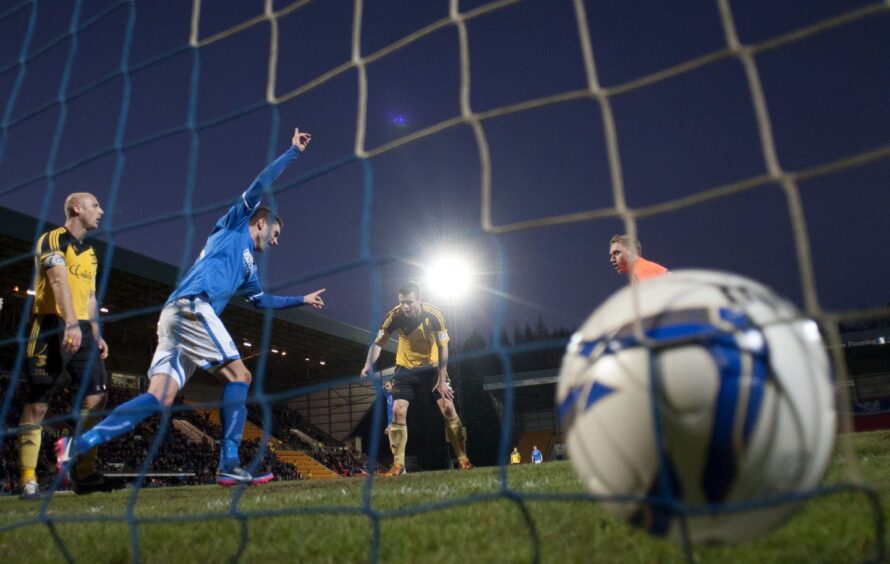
(64, 335)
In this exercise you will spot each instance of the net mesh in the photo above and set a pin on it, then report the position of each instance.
(82, 30)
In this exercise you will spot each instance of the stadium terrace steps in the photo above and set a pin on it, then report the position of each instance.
(251, 430)
(308, 467)
(212, 415)
(193, 434)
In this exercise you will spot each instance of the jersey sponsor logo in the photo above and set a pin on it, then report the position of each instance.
(83, 274)
(248, 262)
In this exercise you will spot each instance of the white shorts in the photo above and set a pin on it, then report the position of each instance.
(190, 335)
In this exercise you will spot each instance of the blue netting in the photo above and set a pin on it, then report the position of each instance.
(374, 261)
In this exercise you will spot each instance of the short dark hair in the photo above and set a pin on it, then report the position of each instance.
(266, 213)
(627, 242)
(410, 287)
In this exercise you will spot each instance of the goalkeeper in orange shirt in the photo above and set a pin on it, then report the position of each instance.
(626, 256)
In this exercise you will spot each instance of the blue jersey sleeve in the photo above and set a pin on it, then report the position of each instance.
(250, 199)
(268, 301)
(254, 193)
(255, 295)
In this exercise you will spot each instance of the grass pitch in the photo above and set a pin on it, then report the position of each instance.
(438, 517)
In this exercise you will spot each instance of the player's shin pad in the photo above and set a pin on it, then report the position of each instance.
(29, 450)
(87, 463)
(457, 436)
(398, 436)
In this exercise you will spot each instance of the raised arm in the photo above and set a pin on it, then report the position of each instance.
(264, 180)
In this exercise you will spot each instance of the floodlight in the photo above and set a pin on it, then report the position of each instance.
(449, 276)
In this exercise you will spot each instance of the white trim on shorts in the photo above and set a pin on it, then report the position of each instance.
(191, 335)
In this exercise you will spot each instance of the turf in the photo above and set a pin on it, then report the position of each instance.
(438, 517)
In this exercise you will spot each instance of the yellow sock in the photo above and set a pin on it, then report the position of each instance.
(457, 437)
(87, 464)
(398, 436)
(392, 449)
(29, 450)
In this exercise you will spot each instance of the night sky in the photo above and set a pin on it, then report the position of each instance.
(827, 97)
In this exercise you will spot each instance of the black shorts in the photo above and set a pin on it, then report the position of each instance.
(409, 383)
(47, 359)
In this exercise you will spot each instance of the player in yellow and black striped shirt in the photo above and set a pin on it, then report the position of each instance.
(64, 335)
(421, 367)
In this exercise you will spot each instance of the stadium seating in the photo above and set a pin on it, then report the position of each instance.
(308, 467)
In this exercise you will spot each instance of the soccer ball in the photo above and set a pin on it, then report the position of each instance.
(745, 409)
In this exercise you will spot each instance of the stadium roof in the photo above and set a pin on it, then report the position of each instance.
(522, 379)
(137, 288)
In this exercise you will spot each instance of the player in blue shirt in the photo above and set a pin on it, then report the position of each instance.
(537, 457)
(191, 335)
(387, 391)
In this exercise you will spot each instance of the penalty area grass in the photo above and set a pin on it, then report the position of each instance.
(442, 517)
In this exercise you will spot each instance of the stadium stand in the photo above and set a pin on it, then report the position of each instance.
(137, 289)
(139, 285)
(530, 439)
(307, 466)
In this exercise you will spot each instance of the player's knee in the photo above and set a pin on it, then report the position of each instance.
(164, 397)
(163, 388)
(243, 376)
(236, 372)
(447, 408)
(34, 412)
(95, 401)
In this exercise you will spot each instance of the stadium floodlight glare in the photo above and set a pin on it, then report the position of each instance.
(449, 276)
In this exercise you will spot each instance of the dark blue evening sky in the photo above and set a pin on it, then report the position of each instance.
(826, 94)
